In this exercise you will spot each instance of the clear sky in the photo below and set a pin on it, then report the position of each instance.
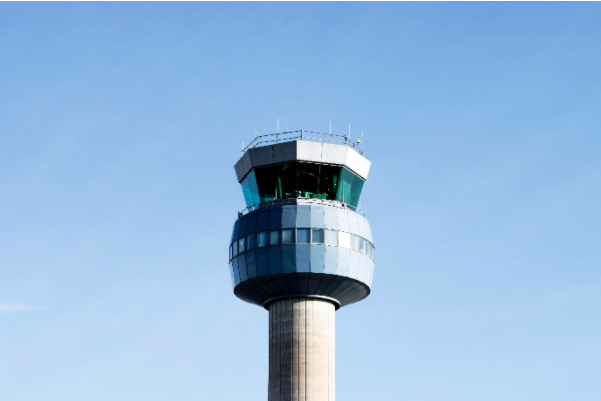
(119, 128)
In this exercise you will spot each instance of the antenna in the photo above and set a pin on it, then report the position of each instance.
(330, 126)
(242, 150)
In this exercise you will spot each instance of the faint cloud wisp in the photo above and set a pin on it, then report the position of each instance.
(14, 308)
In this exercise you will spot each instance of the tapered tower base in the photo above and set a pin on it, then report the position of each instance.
(301, 350)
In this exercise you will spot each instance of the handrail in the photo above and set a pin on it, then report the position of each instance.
(294, 201)
(323, 137)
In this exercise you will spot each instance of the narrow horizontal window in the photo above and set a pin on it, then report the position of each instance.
(288, 236)
(250, 242)
(331, 237)
(303, 235)
(355, 243)
(317, 237)
(274, 238)
(344, 240)
(261, 240)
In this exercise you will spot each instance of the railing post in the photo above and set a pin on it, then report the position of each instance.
(301, 134)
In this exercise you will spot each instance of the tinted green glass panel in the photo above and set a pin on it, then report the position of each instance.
(349, 188)
(250, 191)
(302, 181)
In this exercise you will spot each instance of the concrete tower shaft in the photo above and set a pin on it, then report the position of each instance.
(301, 350)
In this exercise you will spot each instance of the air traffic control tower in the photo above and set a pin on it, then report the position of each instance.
(301, 250)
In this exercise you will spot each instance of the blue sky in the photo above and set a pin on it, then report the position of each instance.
(119, 128)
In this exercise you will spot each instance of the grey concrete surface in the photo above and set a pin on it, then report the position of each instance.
(301, 350)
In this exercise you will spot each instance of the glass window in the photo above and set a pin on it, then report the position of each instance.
(349, 188)
(235, 246)
(274, 238)
(363, 245)
(231, 252)
(277, 182)
(249, 189)
(308, 180)
(317, 237)
(250, 242)
(355, 243)
(261, 240)
(303, 235)
(344, 240)
(288, 236)
(328, 182)
(331, 237)
(241, 245)
(302, 180)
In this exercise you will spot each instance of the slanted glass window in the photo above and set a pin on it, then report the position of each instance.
(349, 188)
(303, 236)
(241, 245)
(305, 180)
(344, 240)
(249, 189)
(274, 238)
(288, 236)
(235, 248)
(331, 237)
(250, 242)
(317, 237)
(231, 255)
(363, 244)
(261, 240)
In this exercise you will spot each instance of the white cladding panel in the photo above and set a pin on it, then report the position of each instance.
(315, 152)
(357, 163)
(334, 154)
(308, 151)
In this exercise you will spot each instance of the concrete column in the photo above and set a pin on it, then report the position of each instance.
(301, 350)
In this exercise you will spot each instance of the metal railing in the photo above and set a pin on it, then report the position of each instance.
(303, 201)
(303, 135)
